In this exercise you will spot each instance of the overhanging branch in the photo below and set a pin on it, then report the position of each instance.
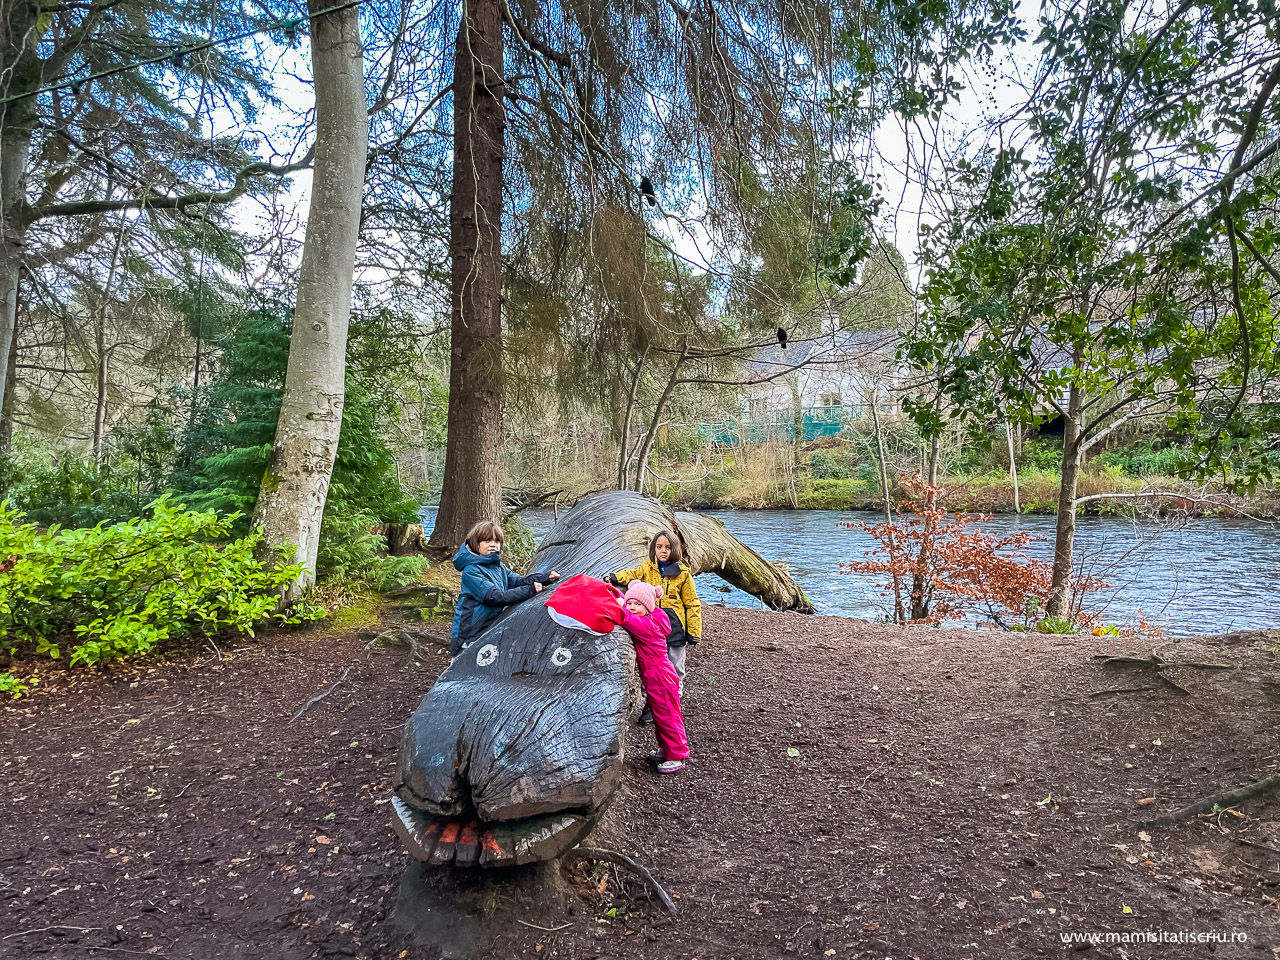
(158, 201)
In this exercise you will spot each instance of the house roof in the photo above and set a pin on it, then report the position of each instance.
(843, 348)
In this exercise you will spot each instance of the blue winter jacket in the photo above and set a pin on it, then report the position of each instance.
(488, 585)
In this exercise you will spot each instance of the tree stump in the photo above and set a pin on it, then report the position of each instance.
(514, 753)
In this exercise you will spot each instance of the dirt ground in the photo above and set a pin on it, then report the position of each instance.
(855, 791)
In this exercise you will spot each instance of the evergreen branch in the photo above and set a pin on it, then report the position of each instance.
(157, 201)
(75, 83)
(531, 40)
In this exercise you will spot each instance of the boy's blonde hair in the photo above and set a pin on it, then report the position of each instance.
(677, 555)
(482, 531)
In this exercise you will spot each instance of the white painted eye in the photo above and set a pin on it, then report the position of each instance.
(488, 653)
(561, 656)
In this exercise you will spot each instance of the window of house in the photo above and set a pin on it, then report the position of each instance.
(829, 399)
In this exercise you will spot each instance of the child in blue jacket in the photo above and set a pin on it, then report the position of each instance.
(488, 585)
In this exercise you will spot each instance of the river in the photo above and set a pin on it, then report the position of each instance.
(1204, 576)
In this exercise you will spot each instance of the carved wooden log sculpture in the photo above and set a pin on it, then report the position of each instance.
(517, 749)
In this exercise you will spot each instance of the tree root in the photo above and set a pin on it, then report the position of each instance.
(320, 696)
(1226, 798)
(608, 856)
(406, 637)
(410, 639)
(1117, 692)
(1154, 663)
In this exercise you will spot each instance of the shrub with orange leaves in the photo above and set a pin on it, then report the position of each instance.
(946, 568)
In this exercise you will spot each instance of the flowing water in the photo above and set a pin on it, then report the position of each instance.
(1205, 576)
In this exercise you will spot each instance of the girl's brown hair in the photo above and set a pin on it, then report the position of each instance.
(677, 555)
(482, 531)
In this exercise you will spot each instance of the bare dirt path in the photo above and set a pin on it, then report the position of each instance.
(855, 790)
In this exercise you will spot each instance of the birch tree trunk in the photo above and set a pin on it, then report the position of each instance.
(624, 447)
(6, 405)
(472, 488)
(646, 446)
(899, 611)
(100, 344)
(100, 394)
(922, 579)
(296, 484)
(1064, 541)
(797, 437)
(20, 70)
(1013, 467)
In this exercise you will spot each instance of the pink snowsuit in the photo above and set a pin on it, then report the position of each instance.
(661, 684)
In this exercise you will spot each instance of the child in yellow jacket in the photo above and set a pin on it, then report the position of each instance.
(664, 569)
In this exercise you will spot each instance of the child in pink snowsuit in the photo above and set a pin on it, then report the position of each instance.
(649, 627)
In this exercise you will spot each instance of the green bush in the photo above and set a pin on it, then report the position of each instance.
(1042, 453)
(111, 591)
(1055, 625)
(13, 686)
(715, 487)
(1145, 461)
(824, 465)
(520, 544)
(50, 486)
(970, 461)
(826, 494)
(350, 554)
(229, 445)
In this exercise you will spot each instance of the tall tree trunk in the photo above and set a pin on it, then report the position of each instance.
(100, 394)
(922, 579)
(472, 488)
(296, 484)
(20, 69)
(6, 408)
(1064, 541)
(642, 458)
(797, 437)
(899, 612)
(1013, 467)
(100, 344)
(624, 447)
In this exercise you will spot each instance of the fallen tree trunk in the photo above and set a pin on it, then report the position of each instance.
(518, 748)
(710, 548)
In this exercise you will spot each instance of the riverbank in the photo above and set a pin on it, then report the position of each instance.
(990, 493)
(855, 791)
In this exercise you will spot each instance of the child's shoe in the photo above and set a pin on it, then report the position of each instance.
(671, 766)
(657, 756)
(646, 717)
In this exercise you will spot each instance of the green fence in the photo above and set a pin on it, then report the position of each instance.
(781, 424)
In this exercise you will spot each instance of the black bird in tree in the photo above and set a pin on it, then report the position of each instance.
(782, 338)
(646, 191)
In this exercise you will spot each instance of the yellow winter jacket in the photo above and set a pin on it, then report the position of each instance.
(678, 594)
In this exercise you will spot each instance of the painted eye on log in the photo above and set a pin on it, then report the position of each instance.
(561, 656)
(488, 653)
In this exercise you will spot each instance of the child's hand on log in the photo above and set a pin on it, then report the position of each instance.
(537, 587)
(552, 577)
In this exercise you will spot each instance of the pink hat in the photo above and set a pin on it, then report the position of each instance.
(646, 593)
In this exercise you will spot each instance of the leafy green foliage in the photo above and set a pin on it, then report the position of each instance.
(1146, 461)
(49, 487)
(231, 441)
(13, 687)
(351, 555)
(828, 465)
(520, 544)
(98, 594)
(1116, 246)
(1058, 625)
